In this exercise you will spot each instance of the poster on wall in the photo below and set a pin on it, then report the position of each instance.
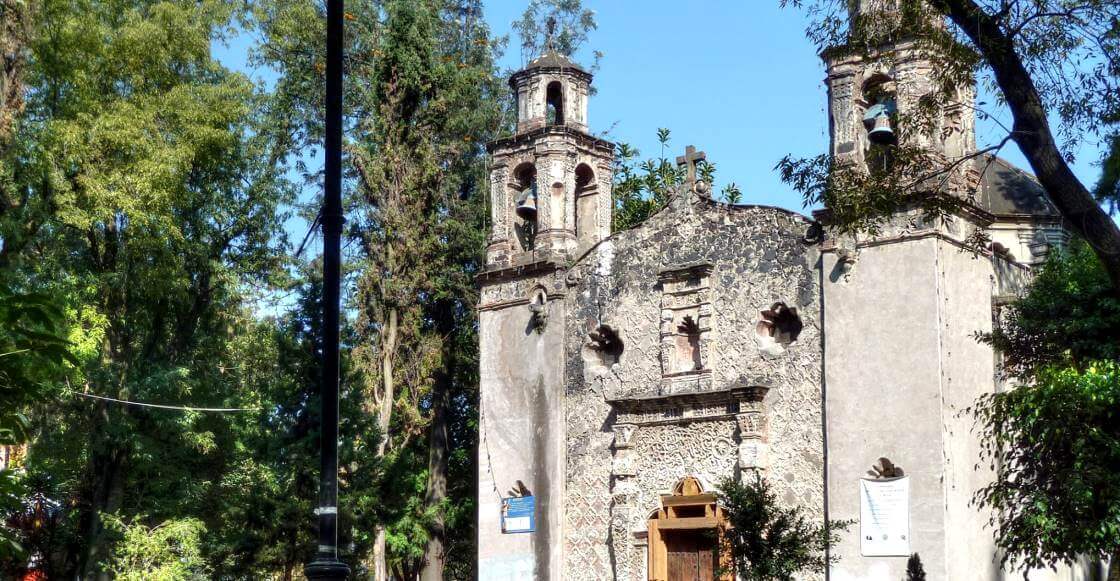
(884, 517)
(517, 514)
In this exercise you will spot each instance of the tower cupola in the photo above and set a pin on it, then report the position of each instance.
(551, 90)
(550, 181)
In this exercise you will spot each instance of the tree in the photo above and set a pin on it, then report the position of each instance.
(260, 525)
(636, 196)
(562, 25)
(420, 170)
(149, 194)
(1054, 439)
(169, 551)
(1043, 57)
(771, 542)
(33, 352)
(15, 27)
(639, 196)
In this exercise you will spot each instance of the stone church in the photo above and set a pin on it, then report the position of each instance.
(624, 375)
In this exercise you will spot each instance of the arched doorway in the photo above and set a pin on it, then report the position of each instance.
(686, 536)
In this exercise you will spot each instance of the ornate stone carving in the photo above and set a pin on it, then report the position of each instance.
(751, 421)
(622, 466)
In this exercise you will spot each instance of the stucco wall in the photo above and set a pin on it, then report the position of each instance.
(901, 365)
(758, 257)
(521, 434)
(882, 396)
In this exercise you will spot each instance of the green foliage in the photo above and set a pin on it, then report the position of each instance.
(1054, 440)
(143, 190)
(771, 542)
(33, 355)
(1057, 445)
(732, 194)
(1070, 317)
(169, 551)
(262, 522)
(423, 97)
(862, 201)
(1107, 190)
(637, 196)
(643, 188)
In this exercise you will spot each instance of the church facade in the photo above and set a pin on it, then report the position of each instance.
(625, 375)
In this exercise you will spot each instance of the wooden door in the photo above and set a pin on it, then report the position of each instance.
(690, 556)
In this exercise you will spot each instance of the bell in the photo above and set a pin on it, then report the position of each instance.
(527, 205)
(881, 131)
(878, 121)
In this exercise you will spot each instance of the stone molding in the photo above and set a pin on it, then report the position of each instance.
(681, 408)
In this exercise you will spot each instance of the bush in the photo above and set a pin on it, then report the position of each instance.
(770, 542)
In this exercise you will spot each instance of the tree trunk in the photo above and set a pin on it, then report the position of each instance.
(1031, 131)
(385, 399)
(106, 495)
(15, 27)
(1114, 566)
(378, 569)
(437, 481)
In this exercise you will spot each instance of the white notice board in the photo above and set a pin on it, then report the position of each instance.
(884, 517)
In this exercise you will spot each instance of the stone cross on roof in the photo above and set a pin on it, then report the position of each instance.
(690, 158)
(550, 32)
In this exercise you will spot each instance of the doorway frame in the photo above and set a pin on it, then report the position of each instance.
(687, 496)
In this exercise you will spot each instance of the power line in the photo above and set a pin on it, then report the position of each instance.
(165, 407)
(310, 230)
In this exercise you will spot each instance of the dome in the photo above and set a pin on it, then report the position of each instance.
(553, 60)
(1006, 190)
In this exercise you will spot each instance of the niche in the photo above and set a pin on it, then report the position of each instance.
(554, 103)
(688, 345)
(538, 311)
(779, 327)
(585, 202)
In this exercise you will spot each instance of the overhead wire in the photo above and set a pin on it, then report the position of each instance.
(164, 407)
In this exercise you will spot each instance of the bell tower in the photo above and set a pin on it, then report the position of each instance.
(901, 308)
(551, 180)
(550, 185)
(874, 91)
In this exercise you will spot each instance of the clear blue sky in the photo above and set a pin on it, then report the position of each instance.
(736, 78)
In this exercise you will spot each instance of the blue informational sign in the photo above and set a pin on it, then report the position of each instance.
(518, 514)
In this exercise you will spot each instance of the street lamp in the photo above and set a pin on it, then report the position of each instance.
(326, 565)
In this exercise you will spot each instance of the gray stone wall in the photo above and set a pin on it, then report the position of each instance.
(758, 257)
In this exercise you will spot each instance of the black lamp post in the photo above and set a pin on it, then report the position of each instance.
(326, 564)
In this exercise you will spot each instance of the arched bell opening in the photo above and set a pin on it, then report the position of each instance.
(880, 111)
(526, 203)
(554, 103)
